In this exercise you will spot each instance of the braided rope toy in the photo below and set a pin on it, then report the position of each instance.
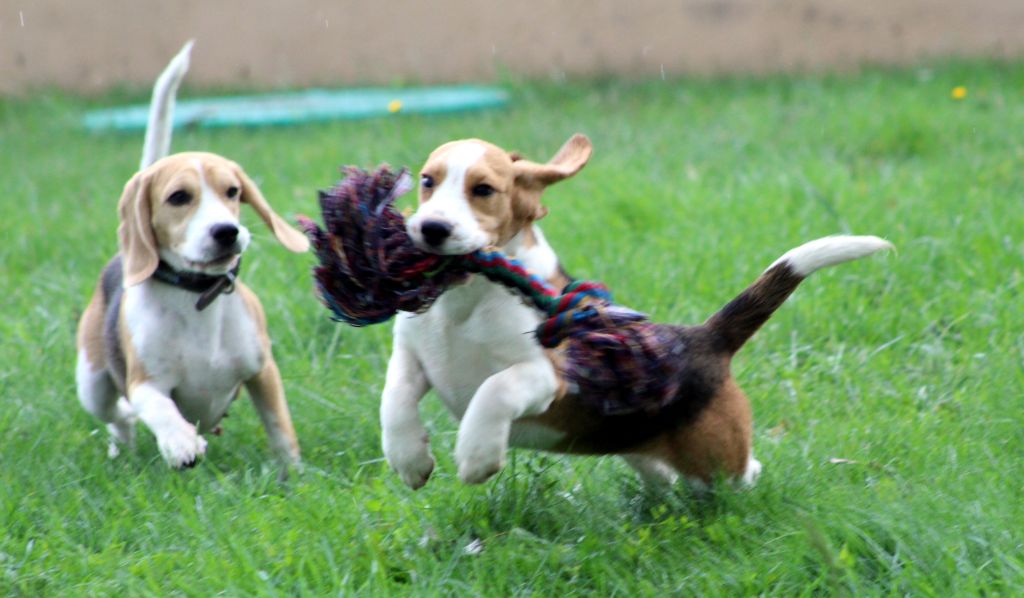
(618, 361)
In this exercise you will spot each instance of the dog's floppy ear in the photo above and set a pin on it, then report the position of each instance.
(291, 238)
(135, 234)
(532, 178)
(568, 161)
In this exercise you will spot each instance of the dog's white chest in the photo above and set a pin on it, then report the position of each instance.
(471, 333)
(198, 357)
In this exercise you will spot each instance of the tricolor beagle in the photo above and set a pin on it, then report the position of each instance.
(475, 348)
(171, 334)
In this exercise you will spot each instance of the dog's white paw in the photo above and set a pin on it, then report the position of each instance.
(287, 451)
(411, 460)
(479, 457)
(120, 433)
(182, 447)
(753, 471)
(122, 429)
(291, 457)
(415, 473)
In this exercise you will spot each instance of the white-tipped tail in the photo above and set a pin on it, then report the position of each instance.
(829, 251)
(161, 107)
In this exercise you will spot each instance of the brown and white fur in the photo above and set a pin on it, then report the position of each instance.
(145, 352)
(474, 346)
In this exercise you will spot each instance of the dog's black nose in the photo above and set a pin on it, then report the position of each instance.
(224, 234)
(435, 232)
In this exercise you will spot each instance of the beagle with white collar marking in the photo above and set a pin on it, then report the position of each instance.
(476, 349)
(170, 335)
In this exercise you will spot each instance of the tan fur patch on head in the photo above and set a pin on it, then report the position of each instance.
(159, 202)
(502, 190)
(490, 172)
(185, 174)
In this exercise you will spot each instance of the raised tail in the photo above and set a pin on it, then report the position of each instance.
(735, 323)
(161, 107)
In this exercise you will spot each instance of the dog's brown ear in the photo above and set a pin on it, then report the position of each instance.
(569, 160)
(135, 234)
(532, 178)
(291, 238)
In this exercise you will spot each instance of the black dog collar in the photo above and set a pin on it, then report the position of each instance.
(209, 287)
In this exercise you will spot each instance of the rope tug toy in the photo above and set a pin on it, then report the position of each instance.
(369, 269)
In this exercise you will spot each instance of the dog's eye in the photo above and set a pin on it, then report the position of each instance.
(179, 198)
(426, 181)
(483, 190)
(232, 192)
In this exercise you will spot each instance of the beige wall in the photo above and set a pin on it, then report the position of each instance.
(89, 45)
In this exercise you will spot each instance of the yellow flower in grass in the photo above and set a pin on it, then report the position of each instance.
(959, 92)
(394, 106)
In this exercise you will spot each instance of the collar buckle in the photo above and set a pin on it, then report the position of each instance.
(209, 287)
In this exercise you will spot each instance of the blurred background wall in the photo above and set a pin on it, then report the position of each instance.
(91, 45)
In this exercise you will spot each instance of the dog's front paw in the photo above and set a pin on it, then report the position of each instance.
(412, 461)
(479, 458)
(183, 447)
(416, 473)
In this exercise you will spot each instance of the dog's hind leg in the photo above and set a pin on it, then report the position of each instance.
(99, 396)
(717, 442)
(267, 394)
(654, 472)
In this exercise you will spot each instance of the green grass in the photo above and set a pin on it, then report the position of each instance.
(909, 365)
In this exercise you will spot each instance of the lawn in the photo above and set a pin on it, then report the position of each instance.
(888, 393)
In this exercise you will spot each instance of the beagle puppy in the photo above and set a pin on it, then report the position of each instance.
(171, 334)
(476, 349)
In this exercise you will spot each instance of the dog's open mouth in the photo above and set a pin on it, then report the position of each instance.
(219, 264)
(452, 247)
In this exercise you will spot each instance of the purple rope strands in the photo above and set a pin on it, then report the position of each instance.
(622, 368)
(613, 357)
(369, 268)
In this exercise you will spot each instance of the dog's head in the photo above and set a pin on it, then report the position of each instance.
(184, 210)
(474, 194)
